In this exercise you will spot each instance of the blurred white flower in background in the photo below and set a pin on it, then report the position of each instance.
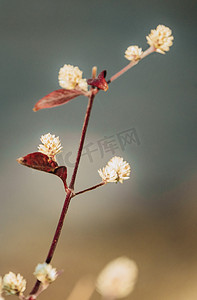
(117, 279)
(1, 288)
(1, 284)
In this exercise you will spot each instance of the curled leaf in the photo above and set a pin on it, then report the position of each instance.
(38, 161)
(61, 172)
(99, 82)
(42, 162)
(57, 97)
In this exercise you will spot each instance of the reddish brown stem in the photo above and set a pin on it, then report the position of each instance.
(59, 227)
(89, 189)
(131, 64)
(83, 134)
(56, 237)
(69, 193)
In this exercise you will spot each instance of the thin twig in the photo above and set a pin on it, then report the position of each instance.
(132, 64)
(118, 74)
(84, 130)
(89, 189)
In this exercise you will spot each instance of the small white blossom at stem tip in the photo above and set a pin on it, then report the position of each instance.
(117, 279)
(133, 53)
(13, 284)
(50, 146)
(160, 38)
(45, 273)
(70, 77)
(116, 170)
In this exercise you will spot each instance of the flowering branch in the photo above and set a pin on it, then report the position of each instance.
(150, 50)
(70, 190)
(160, 40)
(116, 170)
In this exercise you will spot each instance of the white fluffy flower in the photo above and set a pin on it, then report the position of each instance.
(133, 53)
(14, 284)
(45, 273)
(115, 170)
(51, 145)
(70, 77)
(160, 38)
(83, 84)
(117, 279)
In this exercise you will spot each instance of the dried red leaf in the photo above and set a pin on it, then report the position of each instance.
(61, 172)
(99, 82)
(39, 161)
(56, 98)
(42, 162)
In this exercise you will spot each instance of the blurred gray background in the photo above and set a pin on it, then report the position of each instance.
(151, 218)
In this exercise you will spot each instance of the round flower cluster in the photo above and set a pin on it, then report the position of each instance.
(133, 53)
(116, 170)
(160, 38)
(117, 279)
(45, 273)
(51, 145)
(70, 77)
(13, 284)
